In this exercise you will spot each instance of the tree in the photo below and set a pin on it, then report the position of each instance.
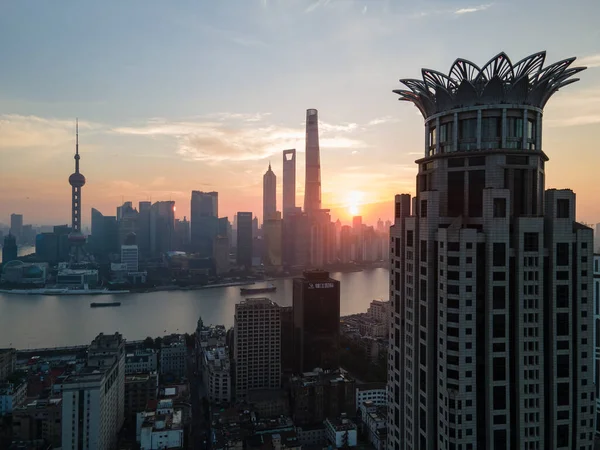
(158, 343)
(148, 342)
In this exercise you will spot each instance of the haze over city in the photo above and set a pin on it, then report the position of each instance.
(204, 95)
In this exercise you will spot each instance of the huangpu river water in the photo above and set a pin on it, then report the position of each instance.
(32, 321)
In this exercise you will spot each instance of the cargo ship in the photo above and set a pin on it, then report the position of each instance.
(97, 305)
(250, 291)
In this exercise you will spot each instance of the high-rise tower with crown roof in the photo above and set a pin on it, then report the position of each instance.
(269, 194)
(77, 181)
(491, 335)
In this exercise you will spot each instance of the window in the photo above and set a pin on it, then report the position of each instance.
(456, 193)
(562, 254)
(562, 324)
(499, 207)
(531, 242)
(409, 238)
(562, 296)
(423, 208)
(467, 129)
(499, 326)
(476, 186)
(499, 369)
(446, 137)
(423, 251)
(562, 208)
(500, 400)
(499, 254)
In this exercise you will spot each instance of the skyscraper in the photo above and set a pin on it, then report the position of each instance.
(312, 190)
(289, 182)
(16, 225)
(204, 222)
(272, 237)
(491, 342)
(162, 226)
(257, 345)
(9, 249)
(316, 305)
(269, 194)
(77, 181)
(244, 239)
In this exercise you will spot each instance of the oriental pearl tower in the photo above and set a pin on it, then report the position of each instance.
(77, 181)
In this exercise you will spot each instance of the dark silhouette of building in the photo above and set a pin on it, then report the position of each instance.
(16, 226)
(105, 235)
(204, 222)
(289, 182)
(244, 239)
(316, 396)
(492, 332)
(76, 239)
(287, 340)
(269, 194)
(316, 303)
(162, 227)
(9, 249)
(143, 233)
(312, 190)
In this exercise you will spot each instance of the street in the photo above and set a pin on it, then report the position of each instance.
(198, 426)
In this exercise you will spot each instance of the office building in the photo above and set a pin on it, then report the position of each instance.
(289, 181)
(272, 241)
(269, 194)
(130, 257)
(244, 239)
(173, 356)
(216, 374)
(491, 342)
(105, 235)
(316, 303)
(143, 233)
(221, 255)
(16, 226)
(204, 218)
(162, 227)
(9, 249)
(596, 337)
(141, 361)
(312, 190)
(127, 221)
(297, 239)
(257, 346)
(12, 395)
(93, 407)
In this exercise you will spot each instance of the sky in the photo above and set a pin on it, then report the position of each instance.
(201, 95)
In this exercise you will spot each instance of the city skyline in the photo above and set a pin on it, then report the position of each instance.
(152, 132)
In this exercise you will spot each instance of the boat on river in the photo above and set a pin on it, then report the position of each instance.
(99, 305)
(251, 291)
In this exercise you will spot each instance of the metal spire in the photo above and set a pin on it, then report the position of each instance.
(77, 145)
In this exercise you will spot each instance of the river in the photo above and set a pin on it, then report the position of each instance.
(32, 321)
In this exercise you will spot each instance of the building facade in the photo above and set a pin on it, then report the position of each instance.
(39, 419)
(173, 356)
(217, 374)
(289, 182)
(597, 337)
(257, 346)
(204, 222)
(244, 239)
(312, 189)
(316, 309)
(491, 338)
(130, 257)
(93, 399)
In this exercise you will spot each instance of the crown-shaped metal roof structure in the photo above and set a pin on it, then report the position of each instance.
(499, 81)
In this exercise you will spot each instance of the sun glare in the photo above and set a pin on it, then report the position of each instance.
(354, 202)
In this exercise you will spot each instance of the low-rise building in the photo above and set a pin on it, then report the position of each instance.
(11, 396)
(374, 425)
(371, 392)
(287, 440)
(39, 419)
(269, 403)
(312, 436)
(140, 389)
(141, 361)
(217, 374)
(160, 427)
(318, 395)
(173, 356)
(341, 432)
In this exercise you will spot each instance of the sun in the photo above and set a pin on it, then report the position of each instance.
(353, 202)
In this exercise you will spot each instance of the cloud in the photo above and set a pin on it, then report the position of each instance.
(19, 131)
(315, 5)
(576, 109)
(219, 141)
(589, 61)
(472, 9)
(245, 117)
(381, 120)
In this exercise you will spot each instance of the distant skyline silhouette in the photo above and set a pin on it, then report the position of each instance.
(201, 96)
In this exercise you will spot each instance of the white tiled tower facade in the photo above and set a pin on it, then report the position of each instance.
(491, 337)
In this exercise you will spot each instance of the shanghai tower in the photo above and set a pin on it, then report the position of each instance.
(312, 190)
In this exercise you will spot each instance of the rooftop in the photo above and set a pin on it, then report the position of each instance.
(341, 424)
